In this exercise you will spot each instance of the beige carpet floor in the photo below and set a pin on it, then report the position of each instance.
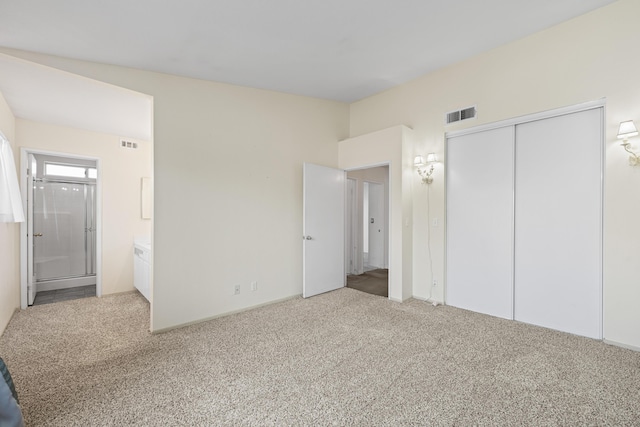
(342, 358)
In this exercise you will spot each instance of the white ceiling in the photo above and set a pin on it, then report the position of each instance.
(336, 49)
(48, 95)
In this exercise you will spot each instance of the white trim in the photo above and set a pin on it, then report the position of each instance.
(350, 221)
(513, 223)
(529, 118)
(344, 226)
(24, 154)
(370, 166)
(431, 301)
(621, 345)
(603, 168)
(445, 184)
(217, 316)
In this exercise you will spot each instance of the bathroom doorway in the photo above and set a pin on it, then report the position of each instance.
(62, 228)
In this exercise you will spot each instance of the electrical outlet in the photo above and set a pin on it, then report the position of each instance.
(435, 283)
(254, 286)
(236, 290)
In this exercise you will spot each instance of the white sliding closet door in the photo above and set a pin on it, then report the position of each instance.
(480, 222)
(558, 223)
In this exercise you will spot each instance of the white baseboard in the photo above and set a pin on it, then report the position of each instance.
(228, 313)
(429, 300)
(619, 344)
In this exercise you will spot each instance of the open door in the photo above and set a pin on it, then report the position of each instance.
(323, 229)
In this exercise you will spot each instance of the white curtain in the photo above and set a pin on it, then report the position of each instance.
(10, 200)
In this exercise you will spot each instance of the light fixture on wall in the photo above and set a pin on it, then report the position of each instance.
(628, 130)
(425, 168)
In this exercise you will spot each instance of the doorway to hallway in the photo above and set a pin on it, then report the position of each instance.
(368, 230)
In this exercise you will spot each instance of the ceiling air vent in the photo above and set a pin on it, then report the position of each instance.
(128, 144)
(459, 115)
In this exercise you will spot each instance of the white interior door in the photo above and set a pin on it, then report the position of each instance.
(480, 222)
(376, 224)
(323, 229)
(558, 233)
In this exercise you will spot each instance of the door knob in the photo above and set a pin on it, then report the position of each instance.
(37, 235)
(307, 237)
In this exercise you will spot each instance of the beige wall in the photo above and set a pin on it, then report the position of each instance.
(9, 232)
(585, 59)
(227, 187)
(228, 201)
(120, 173)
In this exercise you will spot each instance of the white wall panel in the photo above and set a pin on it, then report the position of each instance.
(558, 223)
(480, 222)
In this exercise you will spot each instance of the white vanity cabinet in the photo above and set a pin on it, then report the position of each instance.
(142, 268)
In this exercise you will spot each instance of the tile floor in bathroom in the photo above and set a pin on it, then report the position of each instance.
(48, 297)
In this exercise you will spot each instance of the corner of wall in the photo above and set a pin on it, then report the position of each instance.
(9, 238)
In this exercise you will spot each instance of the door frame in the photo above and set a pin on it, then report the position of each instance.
(359, 214)
(351, 230)
(24, 158)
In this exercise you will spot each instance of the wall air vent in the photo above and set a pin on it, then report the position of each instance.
(128, 144)
(459, 115)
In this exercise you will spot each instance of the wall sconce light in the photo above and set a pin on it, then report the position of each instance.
(425, 168)
(628, 130)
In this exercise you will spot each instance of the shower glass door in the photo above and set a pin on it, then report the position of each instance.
(63, 230)
(61, 223)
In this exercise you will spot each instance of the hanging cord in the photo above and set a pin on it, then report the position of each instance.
(429, 246)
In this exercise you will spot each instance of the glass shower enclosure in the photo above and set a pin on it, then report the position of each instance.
(62, 212)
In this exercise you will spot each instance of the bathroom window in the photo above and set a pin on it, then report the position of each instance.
(70, 171)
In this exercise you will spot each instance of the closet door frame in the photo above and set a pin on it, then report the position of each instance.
(598, 104)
